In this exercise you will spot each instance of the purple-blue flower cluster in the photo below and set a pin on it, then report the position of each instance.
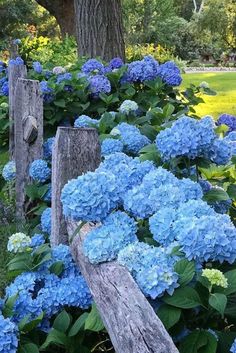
(170, 73)
(229, 120)
(47, 148)
(104, 242)
(92, 66)
(37, 240)
(17, 61)
(99, 84)
(47, 92)
(142, 70)
(39, 171)
(37, 67)
(4, 87)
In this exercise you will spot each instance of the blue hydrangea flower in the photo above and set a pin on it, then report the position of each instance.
(110, 146)
(151, 267)
(227, 119)
(104, 243)
(170, 73)
(141, 71)
(205, 185)
(63, 253)
(39, 171)
(99, 84)
(46, 220)
(2, 67)
(92, 66)
(47, 92)
(90, 197)
(85, 121)
(16, 41)
(37, 240)
(4, 89)
(64, 77)
(47, 148)
(16, 61)
(231, 137)
(186, 137)
(48, 196)
(128, 107)
(9, 171)
(131, 137)
(8, 336)
(116, 63)
(219, 152)
(233, 347)
(37, 67)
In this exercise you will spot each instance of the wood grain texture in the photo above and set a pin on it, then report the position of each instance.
(75, 152)
(100, 28)
(14, 72)
(130, 320)
(27, 102)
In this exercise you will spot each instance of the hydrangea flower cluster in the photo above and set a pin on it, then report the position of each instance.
(170, 73)
(92, 66)
(128, 107)
(131, 137)
(222, 206)
(116, 63)
(9, 171)
(104, 242)
(47, 148)
(39, 171)
(4, 87)
(48, 196)
(47, 92)
(17, 61)
(231, 140)
(233, 347)
(192, 138)
(64, 77)
(46, 220)
(8, 336)
(151, 267)
(215, 277)
(99, 84)
(229, 120)
(90, 197)
(37, 67)
(85, 121)
(142, 70)
(57, 70)
(18, 243)
(110, 146)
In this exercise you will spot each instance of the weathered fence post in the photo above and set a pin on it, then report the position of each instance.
(75, 152)
(28, 115)
(130, 320)
(14, 72)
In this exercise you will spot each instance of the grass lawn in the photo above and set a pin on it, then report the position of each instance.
(224, 83)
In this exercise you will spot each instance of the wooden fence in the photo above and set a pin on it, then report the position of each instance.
(131, 322)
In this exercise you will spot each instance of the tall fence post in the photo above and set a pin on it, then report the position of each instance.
(14, 72)
(28, 115)
(75, 152)
(130, 320)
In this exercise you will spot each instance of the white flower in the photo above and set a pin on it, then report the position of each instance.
(18, 242)
(57, 70)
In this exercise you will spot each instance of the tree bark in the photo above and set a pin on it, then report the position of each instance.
(100, 28)
(63, 11)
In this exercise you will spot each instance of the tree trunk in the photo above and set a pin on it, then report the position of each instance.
(63, 11)
(100, 28)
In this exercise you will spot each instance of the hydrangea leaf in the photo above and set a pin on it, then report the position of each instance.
(57, 268)
(169, 315)
(94, 321)
(78, 325)
(185, 270)
(218, 301)
(184, 298)
(55, 337)
(29, 326)
(216, 195)
(62, 321)
(199, 341)
(29, 348)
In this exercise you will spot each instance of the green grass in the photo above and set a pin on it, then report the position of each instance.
(5, 233)
(224, 83)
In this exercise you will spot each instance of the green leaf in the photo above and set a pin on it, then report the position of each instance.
(29, 348)
(94, 321)
(62, 322)
(218, 301)
(226, 340)
(29, 326)
(55, 337)
(57, 268)
(216, 195)
(231, 191)
(60, 103)
(168, 110)
(78, 325)
(184, 298)
(9, 305)
(186, 271)
(149, 131)
(169, 315)
(199, 341)
(231, 277)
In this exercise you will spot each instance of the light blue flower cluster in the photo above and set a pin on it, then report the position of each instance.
(128, 107)
(8, 336)
(85, 121)
(233, 347)
(39, 171)
(99, 84)
(46, 220)
(92, 66)
(193, 138)
(151, 267)
(37, 67)
(104, 242)
(37, 240)
(222, 206)
(110, 146)
(227, 119)
(170, 73)
(17, 61)
(131, 137)
(90, 197)
(47, 92)
(63, 253)
(9, 171)
(64, 77)
(231, 140)
(47, 148)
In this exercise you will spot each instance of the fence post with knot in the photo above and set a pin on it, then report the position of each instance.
(28, 132)
(130, 320)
